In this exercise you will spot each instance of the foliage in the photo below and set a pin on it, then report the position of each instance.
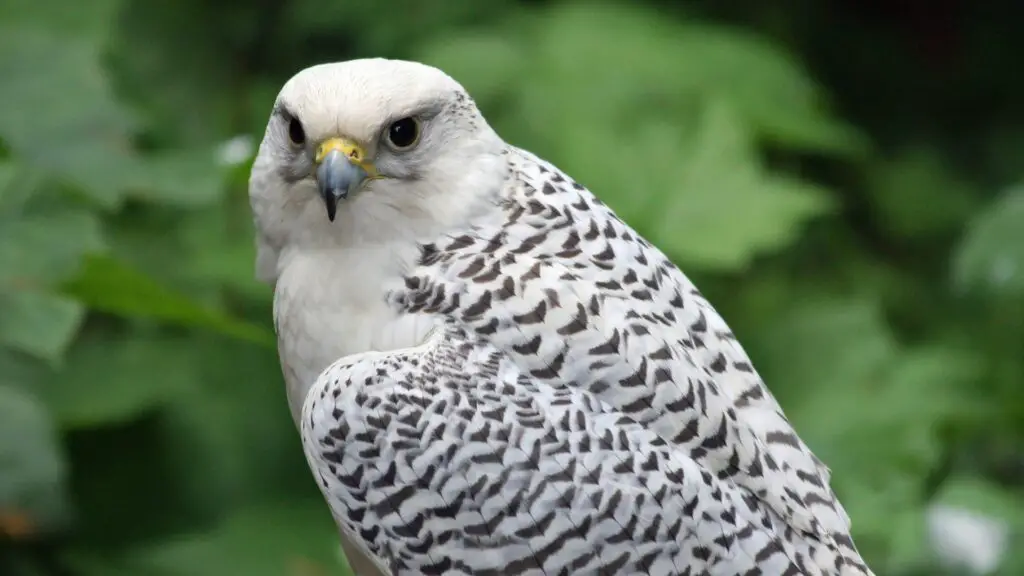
(867, 247)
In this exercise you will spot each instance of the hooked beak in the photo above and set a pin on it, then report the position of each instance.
(341, 168)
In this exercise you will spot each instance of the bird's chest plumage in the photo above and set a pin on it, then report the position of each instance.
(331, 304)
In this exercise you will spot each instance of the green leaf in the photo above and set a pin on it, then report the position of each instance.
(483, 63)
(872, 410)
(63, 117)
(58, 112)
(42, 247)
(190, 92)
(297, 538)
(32, 471)
(182, 178)
(149, 240)
(21, 370)
(722, 211)
(990, 257)
(90, 21)
(424, 19)
(7, 174)
(112, 378)
(825, 345)
(12, 196)
(851, 390)
(220, 250)
(111, 286)
(37, 323)
(664, 64)
(18, 187)
(916, 195)
(766, 86)
(888, 522)
(237, 444)
(935, 379)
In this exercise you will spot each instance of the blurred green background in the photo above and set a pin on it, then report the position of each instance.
(843, 179)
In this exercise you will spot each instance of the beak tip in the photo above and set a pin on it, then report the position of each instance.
(331, 203)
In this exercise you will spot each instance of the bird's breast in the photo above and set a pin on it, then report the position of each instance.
(337, 311)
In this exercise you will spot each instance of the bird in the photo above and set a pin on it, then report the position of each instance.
(492, 373)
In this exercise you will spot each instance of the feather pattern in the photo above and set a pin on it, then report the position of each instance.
(583, 410)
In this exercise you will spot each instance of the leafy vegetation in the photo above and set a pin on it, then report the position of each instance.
(845, 185)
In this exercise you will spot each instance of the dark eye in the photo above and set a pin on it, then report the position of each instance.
(404, 133)
(296, 133)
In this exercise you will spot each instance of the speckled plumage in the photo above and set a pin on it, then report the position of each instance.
(583, 396)
(579, 408)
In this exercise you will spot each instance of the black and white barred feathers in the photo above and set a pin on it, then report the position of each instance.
(583, 411)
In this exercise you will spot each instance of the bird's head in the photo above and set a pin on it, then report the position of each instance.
(361, 151)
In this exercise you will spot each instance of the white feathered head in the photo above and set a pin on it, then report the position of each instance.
(366, 151)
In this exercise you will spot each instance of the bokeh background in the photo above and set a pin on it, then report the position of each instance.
(843, 179)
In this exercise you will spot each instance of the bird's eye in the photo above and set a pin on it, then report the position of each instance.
(296, 132)
(403, 134)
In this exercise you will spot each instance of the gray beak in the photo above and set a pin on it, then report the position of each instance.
(337, 177)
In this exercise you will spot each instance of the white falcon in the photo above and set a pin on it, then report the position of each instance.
(493, 374)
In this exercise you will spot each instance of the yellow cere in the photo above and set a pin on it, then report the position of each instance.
(349, 149)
